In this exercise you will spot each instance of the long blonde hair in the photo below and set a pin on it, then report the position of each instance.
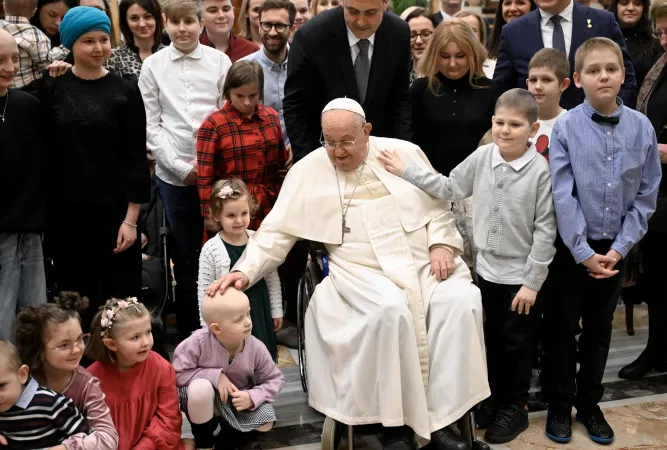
(245, 30)
(462, 34)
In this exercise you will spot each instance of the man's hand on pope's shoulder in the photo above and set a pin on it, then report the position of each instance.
(442, 263)
(236, 279)
(392, 162)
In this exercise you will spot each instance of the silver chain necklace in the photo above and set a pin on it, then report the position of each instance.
(5, 109)
(344, 210)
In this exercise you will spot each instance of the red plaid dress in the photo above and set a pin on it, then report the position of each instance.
(251, 149)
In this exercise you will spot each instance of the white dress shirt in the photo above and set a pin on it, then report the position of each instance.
(179, 92)
(548, 27)
(354, 49)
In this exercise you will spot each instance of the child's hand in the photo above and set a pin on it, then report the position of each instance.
(392, 162)
(600, 266)
(277, 324)
(523, 300)
(225, 388)
(189, 444)
(56, 69)
(242, 401)
(3, 440)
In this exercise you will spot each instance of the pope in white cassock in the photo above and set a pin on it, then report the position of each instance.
(394, 333)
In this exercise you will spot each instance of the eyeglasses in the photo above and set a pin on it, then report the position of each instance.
(659, 33)
(280, 27)
(425, 35)
(345, 145)
(82, 343)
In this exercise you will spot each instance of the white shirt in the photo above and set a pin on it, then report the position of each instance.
(354, 49)
(547, 27)
(501, 269)
(179, 92)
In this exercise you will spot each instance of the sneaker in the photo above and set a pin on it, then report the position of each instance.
(484, 414)
(597, 426)
(559, 426)
(510, 421)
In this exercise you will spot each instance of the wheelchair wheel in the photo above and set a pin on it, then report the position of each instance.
(307, 284)
(332, 433)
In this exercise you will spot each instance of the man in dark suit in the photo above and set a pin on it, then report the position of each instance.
(357, 51)
(563, 25)
(447, 10)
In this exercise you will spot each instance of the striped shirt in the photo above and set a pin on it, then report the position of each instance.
(34, 49)
(40, 419)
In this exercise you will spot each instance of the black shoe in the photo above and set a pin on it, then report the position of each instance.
(559, 426)
(597, 426)
(203, 432)
(510, 421)
(639, 367)
(484, 414)
(396, 438)
(446, 439)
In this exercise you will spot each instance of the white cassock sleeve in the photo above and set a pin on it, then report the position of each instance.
(266, 250)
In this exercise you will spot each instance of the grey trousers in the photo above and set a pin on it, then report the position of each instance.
(22, 281)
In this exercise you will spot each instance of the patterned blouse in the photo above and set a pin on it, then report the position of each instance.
(125, 59)
(252, 149)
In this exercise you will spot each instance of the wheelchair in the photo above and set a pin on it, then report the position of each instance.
(332, 431)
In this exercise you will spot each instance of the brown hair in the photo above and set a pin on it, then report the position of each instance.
(519, 100)
(10, 354)
(461, 33)
(269, 5)
(20, 7)
(553, 59)
(242, 73)
(32, 323)
(244, 21)
(480, 23)
(121, 316)
(419, 12)
(152, 7)
(592, 45)
(239, 189)
(180, 9)
(486, 139)
(658, 9)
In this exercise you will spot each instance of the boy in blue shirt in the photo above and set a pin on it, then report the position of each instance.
(605, 173)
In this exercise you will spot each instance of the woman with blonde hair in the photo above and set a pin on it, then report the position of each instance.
(453, 104)
(476, 21)
(249, 21)
(319, 6)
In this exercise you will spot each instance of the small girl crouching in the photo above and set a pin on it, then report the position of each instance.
(140, 386)
(226, 376)
(232, 206)
(50, 341)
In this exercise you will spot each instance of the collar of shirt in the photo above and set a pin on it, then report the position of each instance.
(270, 64)
(517, 164)
(445, 16)
(17, 19)
(566, 14)
(177, 54)
(28, 394)
(589, 110)
(352, 39)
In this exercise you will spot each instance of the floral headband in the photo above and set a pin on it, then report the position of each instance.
(110, 312)
(225, 192)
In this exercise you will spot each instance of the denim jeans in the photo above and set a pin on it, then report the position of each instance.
(186, 228)
(22, 281)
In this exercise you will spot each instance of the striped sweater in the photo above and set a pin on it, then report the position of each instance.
(41, 418)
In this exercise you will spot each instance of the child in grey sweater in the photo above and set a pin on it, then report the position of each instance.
(514, 229)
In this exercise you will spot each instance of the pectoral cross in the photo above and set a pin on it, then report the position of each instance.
(346, 229)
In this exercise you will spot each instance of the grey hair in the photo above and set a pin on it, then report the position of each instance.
(520, 100)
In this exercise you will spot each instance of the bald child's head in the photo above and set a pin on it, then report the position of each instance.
(9, 60)
(227, 315)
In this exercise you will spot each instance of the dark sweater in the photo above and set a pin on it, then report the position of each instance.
(448, 126)
(643, 52)
(98, 140)
(23, 197)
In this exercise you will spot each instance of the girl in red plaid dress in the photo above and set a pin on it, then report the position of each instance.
(242, 140)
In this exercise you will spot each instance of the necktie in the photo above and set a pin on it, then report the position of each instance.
(602, 119)
(362, 68)
(558, 37)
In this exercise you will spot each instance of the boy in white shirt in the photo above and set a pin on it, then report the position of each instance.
(548, 72)
(181, 85)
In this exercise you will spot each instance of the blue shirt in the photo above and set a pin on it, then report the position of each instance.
(605, 178)
(274, 84)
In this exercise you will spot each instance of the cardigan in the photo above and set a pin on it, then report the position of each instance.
(214, 262)
(513, 210)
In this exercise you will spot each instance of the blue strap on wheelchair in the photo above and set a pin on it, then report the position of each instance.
(325, 266)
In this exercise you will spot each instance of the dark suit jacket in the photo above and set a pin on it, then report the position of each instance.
(320, 69)
(522, 38)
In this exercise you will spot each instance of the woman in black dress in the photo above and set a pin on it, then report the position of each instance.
(99, 173)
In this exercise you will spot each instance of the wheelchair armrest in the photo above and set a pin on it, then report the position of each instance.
(317, 249)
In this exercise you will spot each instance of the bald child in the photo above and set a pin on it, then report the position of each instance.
(22, 134)
(226, 376)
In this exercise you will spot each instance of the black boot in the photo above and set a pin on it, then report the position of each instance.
(203, 432)
(396, 438)
(446, 439)
(654, 355)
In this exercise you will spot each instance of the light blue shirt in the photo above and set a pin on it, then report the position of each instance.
(605, 178)
(274, 84)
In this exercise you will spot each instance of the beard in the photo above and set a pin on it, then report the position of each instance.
(277, 46)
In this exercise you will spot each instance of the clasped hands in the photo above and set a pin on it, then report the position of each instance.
(240, 399)
(602, 266)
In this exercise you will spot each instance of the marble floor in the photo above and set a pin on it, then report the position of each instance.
(637, 410)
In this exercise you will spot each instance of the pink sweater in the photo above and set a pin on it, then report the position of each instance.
(84, 389)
